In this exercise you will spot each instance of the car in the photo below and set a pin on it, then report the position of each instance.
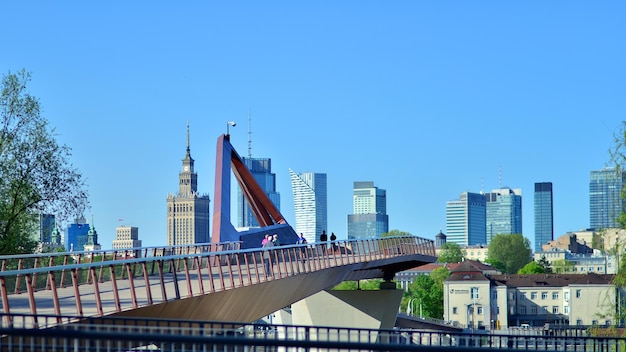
(524, 326)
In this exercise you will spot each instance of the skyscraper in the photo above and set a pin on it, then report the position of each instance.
(187, 211)
(261, 169)
(466, 219)
(544, 214)
(504, 212)
(309, 201)
(369, 218)
(605, 201)
(76, 235)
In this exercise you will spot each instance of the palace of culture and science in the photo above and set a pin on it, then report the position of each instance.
(187, 211)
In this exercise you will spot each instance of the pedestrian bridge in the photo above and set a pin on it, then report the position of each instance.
(209, 282)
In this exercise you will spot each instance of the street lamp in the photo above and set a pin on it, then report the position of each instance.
(228, 124)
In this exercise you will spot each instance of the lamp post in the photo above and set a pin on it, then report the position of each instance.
(228, 124)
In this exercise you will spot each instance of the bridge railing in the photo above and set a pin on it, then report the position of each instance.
(108, 285)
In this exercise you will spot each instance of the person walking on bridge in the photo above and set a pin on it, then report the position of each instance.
(267, 256)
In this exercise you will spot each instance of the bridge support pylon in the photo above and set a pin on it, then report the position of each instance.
(370, 309)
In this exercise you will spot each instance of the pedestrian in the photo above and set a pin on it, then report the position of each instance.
(323, 239)
(275, 240)
(302, 241)
(333, 238)
(267, 238)
(267, 256)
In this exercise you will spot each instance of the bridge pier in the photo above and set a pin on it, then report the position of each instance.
(355, 308)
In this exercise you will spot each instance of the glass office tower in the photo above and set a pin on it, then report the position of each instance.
(466, 219)
(544, 227)
(370, 219)
(261, 170)
(504, 212)
(605, 200)
(310, 204)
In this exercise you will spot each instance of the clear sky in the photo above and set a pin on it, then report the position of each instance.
(427, 99)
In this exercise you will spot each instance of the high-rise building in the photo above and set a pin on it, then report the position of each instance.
(369, 218)
(188, 210)
(466, 219)
(126, 237)
(76, 235)
(605, 201)
(504, 212)
(261, 169)
(46, 226)
(310, 204)
(544, 215)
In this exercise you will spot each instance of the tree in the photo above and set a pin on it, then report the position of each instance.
(532, 268)
(496, 264)
(562, 266)
(395, 233)
(426, 291)
(512, 250)
(35, 173)
(545, 264)
(451, 253)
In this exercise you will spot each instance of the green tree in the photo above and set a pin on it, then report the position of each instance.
(512, 250)
(545, 264)
(496, 264)
(395, 233)
(451, 253)
(562, 266)
(36, 175)
(532, 268)
(426, 291)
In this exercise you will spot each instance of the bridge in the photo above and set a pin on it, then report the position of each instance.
(209, 282)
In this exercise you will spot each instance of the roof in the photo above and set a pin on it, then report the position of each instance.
(552, 280)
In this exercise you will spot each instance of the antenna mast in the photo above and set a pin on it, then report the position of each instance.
(249, 134)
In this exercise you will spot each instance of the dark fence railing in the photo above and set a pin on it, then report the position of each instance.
(134, 334)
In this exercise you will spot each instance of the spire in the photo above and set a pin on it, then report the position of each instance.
(188, 152)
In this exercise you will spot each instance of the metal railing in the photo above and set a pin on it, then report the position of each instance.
(132, 334)
(125, 281)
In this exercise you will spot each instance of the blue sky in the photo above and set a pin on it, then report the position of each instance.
(427, 99)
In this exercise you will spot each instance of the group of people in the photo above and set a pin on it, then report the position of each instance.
(273, 241)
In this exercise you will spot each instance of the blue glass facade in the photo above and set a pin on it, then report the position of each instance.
(261, 170)
(466, 219)
(605, 201)
(76, 236)
(370, 219)
(504, 212)
(544, 226)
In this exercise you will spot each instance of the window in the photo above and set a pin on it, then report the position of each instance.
(578, 293)
(454, 310)
(594, 322)
(512, 295)
(566, 296)
(566, 310)
(533, 295)
(607, 323)
(579, 322)
(533, 310)
(544, 309)
(544, 295)
(522, 310)
(590, 268)
(480, 311)
(555, 309)
(474, 293)
(522, 296)
(494, 295)
(555, 295)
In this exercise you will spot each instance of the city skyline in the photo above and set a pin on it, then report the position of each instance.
(426, 99)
